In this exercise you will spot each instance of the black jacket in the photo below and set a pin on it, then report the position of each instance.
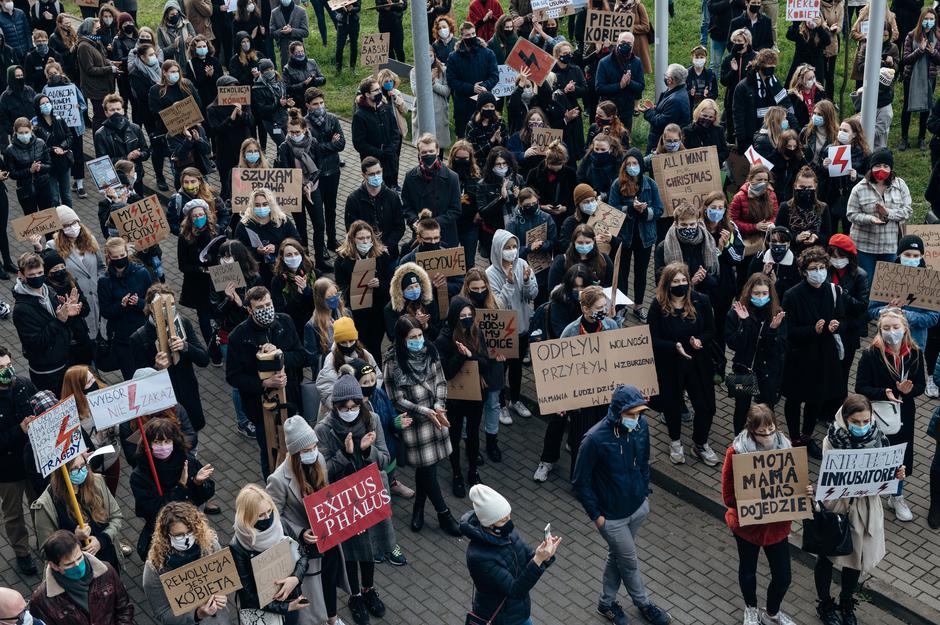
(192, 152)
(269, 233)
(205, 85)
(748, 103)
(720, 14)
(44, 339)
(123, 321)
(248, 595)
(375, 133)
(229, 133)
(295, 75)
(560, 190)
(34, 65)
(196, 282)
(15, 102)
(118, 136)
(296, 305)
(809, 51)
(140, 85)
(756, 345)
(812, 371)
(14, 407)
(327, 151)
(174, 93)
(697, 136)
(761, 31)
(55, 135)
(383, 212)
(855, 290)
(441, 195)
(20, 157)
(729, 79)
(225, 312)
(79, 341)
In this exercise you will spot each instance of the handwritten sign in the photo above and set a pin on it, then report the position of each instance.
(235, 94)
(538, 261)
(181, 115)
(103, 173)
(803, 10)
(840, 157)
(360, 295)
(687, 177)
(914, 286)
(585, 370)
(285, 184)
(224, 274)
(859, 472)
(347, 507)
(64, 102)
(450, 261)
(336, 5)
(770, 486)
(554, 9)
(41, 222)
(135, 398)
(606, 219)
(543, 137)
(507, 82)
(500, 329)
(142, 223)
(527, 55)
(603, 27)
(190, 586)
(374, 49)
(56, 436)
(466, 384)
(754, 158)
(931, 236)
(273, 564)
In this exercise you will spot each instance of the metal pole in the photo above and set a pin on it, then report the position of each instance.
(661, 59)
(424, 97)
(876, 21)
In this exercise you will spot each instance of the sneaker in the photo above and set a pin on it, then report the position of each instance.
(396, 557)
(378, 558)
(932, 390)
(504, 417)
(161, 185)
(613, 613)
(26, 565)
(81, 194)
(358, 609)
(247, 430)
(641, 314)
(542, 471)
(902, 512)
(401, 490)
(706, 454)
(654, 614)
(216, 359)
(751, 616)
(520, 409)
(676, 455)
(4, 310)
(126, 550)
(373, 603)
(779, 619)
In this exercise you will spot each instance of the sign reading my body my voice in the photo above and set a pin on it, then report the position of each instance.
(770, 486)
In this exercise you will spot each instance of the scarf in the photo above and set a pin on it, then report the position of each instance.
(428, 172)
(803, 218)
(256, 540)
(744, 443)
(919, 82)
(301, 152)
(175, 559)
(840, 438)
(419, 365)
(771, 86)
(673, 248)
(77, 590)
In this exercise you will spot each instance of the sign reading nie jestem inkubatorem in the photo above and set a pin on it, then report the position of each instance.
(466, 384)
(770, 486)
(190, 586)
(913, 286)
(135, 398)
(500, 329)
(585, 370)
(56, 436)
(270, 566)
(687, 176)
(859, 472)
(347, 507)
(284, 183)
(142, 223)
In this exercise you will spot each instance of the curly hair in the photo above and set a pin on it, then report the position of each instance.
(814, 254)
(187, 514)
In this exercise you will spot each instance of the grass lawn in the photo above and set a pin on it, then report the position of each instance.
(912, 165)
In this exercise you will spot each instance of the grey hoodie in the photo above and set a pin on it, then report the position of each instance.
(519, 294)
(43, 297)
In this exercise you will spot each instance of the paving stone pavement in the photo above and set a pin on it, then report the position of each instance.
(688, 556)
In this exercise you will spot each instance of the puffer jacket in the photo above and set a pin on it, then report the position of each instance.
(398, 305)
(20, 157)
(123, 320)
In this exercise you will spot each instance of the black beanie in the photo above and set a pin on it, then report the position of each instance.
(882, 157)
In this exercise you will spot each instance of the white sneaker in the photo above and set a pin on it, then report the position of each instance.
(751, 616)
(706, 454)
(779, 619)
(520, 409)
(504, 417)
(542, 471)
(932, 390)
(902, 512)
(676, 455)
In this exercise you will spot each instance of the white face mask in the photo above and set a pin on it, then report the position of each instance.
(843, 137)
(810, 83)
(293, 261)
(250, 7)
(510, 255)
(698, 63)
(226, 260)
(839, 263)
(182, 543)
(72, 231)
(349, 415)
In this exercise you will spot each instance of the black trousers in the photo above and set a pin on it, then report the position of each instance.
(906, 115)
(457, 412)
(686, 377)
(778, 557)
(392, 24)
(329, 188)
(315, 210)
(427, 487)
(4, 237)
(330, 568)
(935, 476)
(514, 370)
(822, 574)
(51, 382)
(554, 432)
(811, 412)
(639, 256)
(353, 568)
(579, 422)
(344, 32)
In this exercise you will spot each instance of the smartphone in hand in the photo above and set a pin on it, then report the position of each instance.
(548, 531)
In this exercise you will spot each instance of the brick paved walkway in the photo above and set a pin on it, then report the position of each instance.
(689, 557)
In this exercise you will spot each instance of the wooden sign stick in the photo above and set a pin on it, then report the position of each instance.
(73, 499)
(613, 286)
(170, 305)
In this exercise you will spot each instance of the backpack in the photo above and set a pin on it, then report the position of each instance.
(540, 324)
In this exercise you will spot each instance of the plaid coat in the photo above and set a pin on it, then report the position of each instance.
(425, 443)
(874, 238)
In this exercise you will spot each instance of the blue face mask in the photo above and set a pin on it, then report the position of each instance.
(585, 248)
(910, 262)
(200, 222)
(784, 125)
(45, 108)
(252, 157)
(714, 215)
(633, 170)
(333, 302)
(78, 476)
(818, 120)
(412, 295)
(202, 51)
(927, 24)
(760, 302)
(77, 571)
(673, 146)
(859, 431)
(816, 276)
(630, 422)
(173, 77)
(415, 345)
(388, 85)
(375, 181)
(262, 211)
(24, 137)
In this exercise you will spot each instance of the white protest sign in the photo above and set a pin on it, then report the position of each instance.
(840, 160)
(56, 436)
(754, 158)
(507, 82)
(135, 398)
(64, 101)
(847, 473)
(802, 10)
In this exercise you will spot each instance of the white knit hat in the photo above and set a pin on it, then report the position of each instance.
(488, 505)
(66, 215)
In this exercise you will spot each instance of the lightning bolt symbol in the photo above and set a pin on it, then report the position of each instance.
(131, 398)
(840, 158)
(830, 493)
(510, 327)
(362, 285)
(64, 436)
(530, 60)
(883, 486)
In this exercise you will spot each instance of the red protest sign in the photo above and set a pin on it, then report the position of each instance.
(348, 507)
(527, 55)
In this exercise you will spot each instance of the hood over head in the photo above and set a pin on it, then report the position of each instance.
(624, 398)
(638, 155)
(500, 239)
(395, 289)
(453, 311)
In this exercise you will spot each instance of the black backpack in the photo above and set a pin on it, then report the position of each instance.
(540, 324)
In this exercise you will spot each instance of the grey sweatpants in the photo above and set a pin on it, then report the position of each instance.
(623, 566)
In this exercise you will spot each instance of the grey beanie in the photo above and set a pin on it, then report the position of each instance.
(265, 64)
(298, 434)
(196, 203)
(346, 388)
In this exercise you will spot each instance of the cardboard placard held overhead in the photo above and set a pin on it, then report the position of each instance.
(285, 184)
(847, 473)
(64, 100)
(687, 176)
(554, 9)
(466, 384)
(336, 5)
(931, 236)
(802, 10)
(181, 115)
(224, 274)
(500, 330)
(56, 436)
(374, 49)
(269, 566)
(543, 137)
(603, 27)
(607, 219)
(449, 261)
(770, 486)
(135, 398)
(142, 223)
(190, 586)
(840, 157)
(585, 370)
(103, 173)
(235, 94)
(537, 61)
(538, 261)
(914, 286)
(41, 222)
(347, 507)
(360, 295)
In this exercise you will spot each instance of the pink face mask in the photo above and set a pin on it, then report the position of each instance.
(161, 451)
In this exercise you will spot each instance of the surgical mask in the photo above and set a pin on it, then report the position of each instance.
(839, 263)
(503, 530)
(246, 45)
(151, 61)
(78, 476)
(818, 120)
(262, 212)
(843, 137)
(75, 572)
(252, 157)
(7, 375)
(72, 231)
(584, 248)
(909, 262)
(107, 21)
(714, 215)
(893, 337)
(297, 137)
(173, 77)
(412, 295)
(673, 146)
(859, 431)
(36, 282)
(363, 248)
(286, 3)
(263, 525)
(202, 51)
(428, 160)
(785, 124)
(333, 302)
(927, 24)
(388, 85)
(501, 171)
(264, 316)
(809, 85)
(588, 208)
(309, 457)
(687, 234)
(510, 255)
(201, 221)
(318, 111)
(293, 261)
(443, 33)
(24, 137)
(226, 260)
(699, 63)
(679, 290)
(300, 56)
(415, 345)
(349, 416)
(816, 276)
(756, 188)
(466, 322)
(633, 170)
(760, 302)
(45, 108)
(374, 181)
(161, 451)
(630, 422)
(182, 542)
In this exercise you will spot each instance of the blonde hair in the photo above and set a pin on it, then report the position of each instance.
(112, 244)
(248, 504)
(278, 216)
(243, 164)
(704, 105)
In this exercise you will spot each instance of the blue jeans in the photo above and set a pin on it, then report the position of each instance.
(240, 419)
(491, 412)
(61, 186)
(716, 54)
(319, 7)
(706, 19)
(867, 261)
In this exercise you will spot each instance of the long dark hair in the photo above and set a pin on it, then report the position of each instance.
(471, 339)
(595, 260)
(404, 325)
(237, 250)
(497, 152)
(761, 279)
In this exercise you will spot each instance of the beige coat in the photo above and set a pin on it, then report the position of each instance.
(863, 17)
(199, 14)
(833, 12)
(641, 29)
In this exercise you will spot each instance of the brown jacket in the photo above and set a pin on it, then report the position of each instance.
(108, 601)
(833, 12)
(94, 70)
(641, 30)
(199, 14)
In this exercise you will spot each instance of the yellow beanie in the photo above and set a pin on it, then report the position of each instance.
(344, 329)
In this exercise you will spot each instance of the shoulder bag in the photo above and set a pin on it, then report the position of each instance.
(827, 533)
(888, 414)
(475, 619)
(743, 385)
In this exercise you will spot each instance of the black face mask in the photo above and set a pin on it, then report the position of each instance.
(488, 114)
(377, 98)
(737, 48)
(119, 263)
(679, 290)
(778, 251)
(471, 43)
(805, 197)
(754, 8)
(58, 277)
(504, 530)
(624, 49)
(128, 29)
(478, 297)
(36, 282)
(264, 524)
(368, 391)
(768, 71)
(565, 58)
(528, 209)
(461, 165)
(706, 123)
(91, 389)
(550, 32)
(428, 160)
(348, 350)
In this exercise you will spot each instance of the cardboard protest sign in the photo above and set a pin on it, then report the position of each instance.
(181, 115)
(235, 94)
(135, 398)
(190, 586)
(914, 286)
(754, 158)
(606, 219)
(538, 261)
(56, 436)
(64, 102)
(224, 274)
(451, 261)
(841, 160)
(500, 329)
(360, 295)
(802, 10)
(103, 173)
(859, 472)
(770, 486)
(142, 223)
(931, 236)
(466, 384)
(603, 27)
(554, 9)
(88, 3)
(268, 567)
(687, 176)
(347, 507)
(336, 5)
(543, 137)
(285, 184)
(585, 370)
(534, 59)
(374, 49)
(507, 82)
(45, 221)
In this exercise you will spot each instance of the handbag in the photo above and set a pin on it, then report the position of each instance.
(888, 414)
(827, 533)
(105, 356)
(743, 385)
(475, 619)
(254, 616)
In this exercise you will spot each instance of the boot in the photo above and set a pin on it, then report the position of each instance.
(473, 477)
(828, 612)
(847, 608)
(933, 516)
(448, 523)
(492, 448)
(458, 486)
(417, 516)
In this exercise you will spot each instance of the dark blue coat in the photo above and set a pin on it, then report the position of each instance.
(123, 320)
(610, 71)
(17, 32)
(673, 107)
(612, 475)
(464, 69)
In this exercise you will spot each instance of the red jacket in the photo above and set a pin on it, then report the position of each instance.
(760, 535)
(108, 601)
(740, 211)
(478, 10)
